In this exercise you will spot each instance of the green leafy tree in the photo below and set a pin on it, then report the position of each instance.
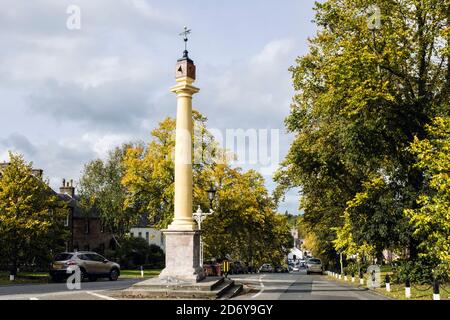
(364, 91)
(31, 215)
(101, 191)
(431, 220)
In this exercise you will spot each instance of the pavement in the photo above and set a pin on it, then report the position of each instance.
(268, 286)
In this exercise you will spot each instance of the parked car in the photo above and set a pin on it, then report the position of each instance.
(314, 265)
(266, 267)
(281, 269)
(91, 264)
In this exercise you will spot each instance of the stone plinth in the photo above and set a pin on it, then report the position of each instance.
(156, 288)
(182, 257)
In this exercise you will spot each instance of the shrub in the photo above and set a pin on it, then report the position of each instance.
(352, 268)
(136, 252)
(419, 271)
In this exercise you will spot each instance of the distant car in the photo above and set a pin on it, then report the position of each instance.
(281, 269)
(266, 268)
(314, 265)
(91, 264)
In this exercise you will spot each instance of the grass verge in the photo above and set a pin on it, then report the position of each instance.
(418, 292)
(24, 278)
(43, 277)
(132, 274)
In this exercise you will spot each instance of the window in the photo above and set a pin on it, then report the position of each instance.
(132, 234)
(87, 248)
(84, 257)
(95, 257)
(66, 223)
(63, 257)
(86, 226)
(102, 227)
(314, 261)
(140, 234)
(147, 236)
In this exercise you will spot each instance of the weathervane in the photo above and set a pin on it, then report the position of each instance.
(185, 34)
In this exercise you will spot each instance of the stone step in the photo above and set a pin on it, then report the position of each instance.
(232, 291)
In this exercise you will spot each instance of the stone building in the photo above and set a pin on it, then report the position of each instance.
(87, 231)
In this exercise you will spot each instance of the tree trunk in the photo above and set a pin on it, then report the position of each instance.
(13, 267)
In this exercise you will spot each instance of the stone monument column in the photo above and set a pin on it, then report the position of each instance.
(182, 236)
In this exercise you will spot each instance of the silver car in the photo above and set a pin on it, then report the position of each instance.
(313, 265)
(91, 264)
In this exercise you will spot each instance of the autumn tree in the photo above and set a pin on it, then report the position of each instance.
(244, 223)
(31, 215)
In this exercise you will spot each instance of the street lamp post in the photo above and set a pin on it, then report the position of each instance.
(199, 217)
(211, 194)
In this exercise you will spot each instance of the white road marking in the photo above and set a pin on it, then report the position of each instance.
(262, 288)
(266, 281)
(34, 298)
(101, 296)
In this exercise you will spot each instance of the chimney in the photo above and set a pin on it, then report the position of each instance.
(67, 188)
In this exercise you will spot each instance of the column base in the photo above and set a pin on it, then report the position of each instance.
(183, 225)
(182, 256)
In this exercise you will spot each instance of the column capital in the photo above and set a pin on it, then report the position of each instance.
(184, 87)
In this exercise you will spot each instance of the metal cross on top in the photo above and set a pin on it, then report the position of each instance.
(185, 34)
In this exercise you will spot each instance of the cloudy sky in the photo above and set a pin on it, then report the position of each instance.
(67, 96)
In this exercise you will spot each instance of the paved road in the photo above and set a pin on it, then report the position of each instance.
(98, 290)
(269, 286)
(299, 286)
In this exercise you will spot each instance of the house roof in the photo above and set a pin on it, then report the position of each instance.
(77, 211)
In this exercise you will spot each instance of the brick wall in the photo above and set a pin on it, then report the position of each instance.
(94, 240)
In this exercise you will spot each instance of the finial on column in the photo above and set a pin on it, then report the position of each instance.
(185, 34)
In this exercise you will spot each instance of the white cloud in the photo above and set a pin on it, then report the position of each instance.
(273, 53)
(102, 144)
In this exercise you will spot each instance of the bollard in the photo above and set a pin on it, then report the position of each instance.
(345, 278)
(340, 276)
(11, 277)
(353, 277)
(407, 289)
(361, 278)
(387, 280)
(142, 271)
(436, 295)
